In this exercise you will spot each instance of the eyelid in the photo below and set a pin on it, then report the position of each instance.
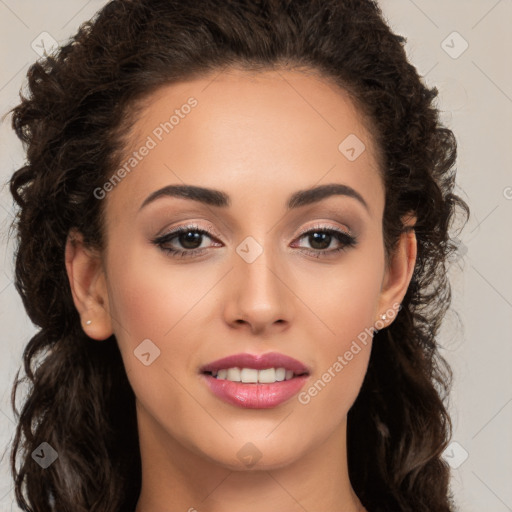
(326, 226)
(214, 233)
(193, 226)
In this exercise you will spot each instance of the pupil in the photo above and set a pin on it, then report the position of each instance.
(190, 242)
(321, 238)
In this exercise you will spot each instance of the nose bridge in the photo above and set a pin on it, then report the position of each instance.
(258, 290)
(255, 267)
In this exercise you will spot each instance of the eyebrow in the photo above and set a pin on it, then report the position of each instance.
(222, 200)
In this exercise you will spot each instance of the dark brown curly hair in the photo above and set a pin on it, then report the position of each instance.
(81, 102)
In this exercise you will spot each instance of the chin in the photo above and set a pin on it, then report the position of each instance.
(249, 457)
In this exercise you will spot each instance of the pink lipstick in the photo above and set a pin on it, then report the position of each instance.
(255, 381)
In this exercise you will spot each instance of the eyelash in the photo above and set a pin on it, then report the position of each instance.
(346, 241)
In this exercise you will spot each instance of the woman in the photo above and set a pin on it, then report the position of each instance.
(233, 235)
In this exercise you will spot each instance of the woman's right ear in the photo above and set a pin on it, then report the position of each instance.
(87, 280)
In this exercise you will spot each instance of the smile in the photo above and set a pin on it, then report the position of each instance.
(251, 375)
(255, 381)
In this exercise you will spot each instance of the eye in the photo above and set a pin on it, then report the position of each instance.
(190, 241)
(189, 237)
(320, 239)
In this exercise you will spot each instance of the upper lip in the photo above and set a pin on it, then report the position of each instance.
(257, 362)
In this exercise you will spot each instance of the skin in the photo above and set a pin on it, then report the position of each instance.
(258, 138)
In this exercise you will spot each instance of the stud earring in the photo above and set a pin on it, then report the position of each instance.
(88, 322)
(383, 317)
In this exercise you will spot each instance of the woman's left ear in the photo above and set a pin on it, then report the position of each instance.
(88, 287)
(400, 269)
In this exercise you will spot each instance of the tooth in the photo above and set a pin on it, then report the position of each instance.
(249, 375)
(253, 376)
(267, 376)
(233, 374)
(280, 374)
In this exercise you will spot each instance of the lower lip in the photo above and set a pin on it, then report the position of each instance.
(255, 396)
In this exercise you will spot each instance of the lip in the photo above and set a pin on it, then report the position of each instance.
(257, 362)
(256, 395)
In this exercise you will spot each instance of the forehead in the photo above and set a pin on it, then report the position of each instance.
(254, 134)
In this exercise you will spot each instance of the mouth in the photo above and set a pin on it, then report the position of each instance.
(255, 381)
(256, 369)
(253, 375)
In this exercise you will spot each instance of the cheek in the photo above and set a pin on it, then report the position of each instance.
(348, 303)
(342, 361)
(148, 300)
(344, 297)
(157, 303)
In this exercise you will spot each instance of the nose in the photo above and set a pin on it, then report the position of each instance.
(258, 298)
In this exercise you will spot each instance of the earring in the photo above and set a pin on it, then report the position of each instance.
(383, 317)
(88, 322)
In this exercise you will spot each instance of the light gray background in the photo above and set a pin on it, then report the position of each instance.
(476, 100)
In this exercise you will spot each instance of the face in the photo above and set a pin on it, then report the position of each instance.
(262, 265)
